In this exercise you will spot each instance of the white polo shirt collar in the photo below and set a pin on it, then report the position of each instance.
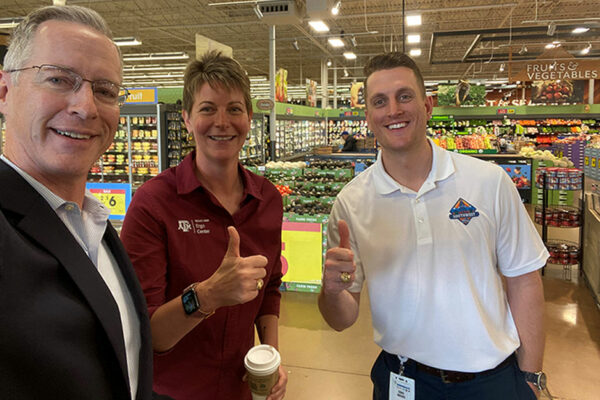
(442, 167)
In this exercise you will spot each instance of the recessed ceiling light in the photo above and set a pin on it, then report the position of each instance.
(336, 42)
(413, 20)
(127, 41)
(415, 52)
(350, 55)
(413, 38)
(580, 29)
(319, 26)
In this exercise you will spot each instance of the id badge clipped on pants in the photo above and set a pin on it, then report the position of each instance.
(401, 387)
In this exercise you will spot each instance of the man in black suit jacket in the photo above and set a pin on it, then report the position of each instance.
(73, 319)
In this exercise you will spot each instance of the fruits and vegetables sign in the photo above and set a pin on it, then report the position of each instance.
(557, 92)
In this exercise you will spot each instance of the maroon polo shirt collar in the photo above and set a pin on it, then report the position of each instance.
(187, 181)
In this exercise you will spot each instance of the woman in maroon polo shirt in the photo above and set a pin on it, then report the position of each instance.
(209, 229)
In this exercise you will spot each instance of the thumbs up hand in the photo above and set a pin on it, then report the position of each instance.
(338, 272)
(237, 280)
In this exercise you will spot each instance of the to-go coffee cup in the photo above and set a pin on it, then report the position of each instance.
(262, 363)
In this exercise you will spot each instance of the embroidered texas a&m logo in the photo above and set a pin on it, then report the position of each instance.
(463, 211)
(197, 226)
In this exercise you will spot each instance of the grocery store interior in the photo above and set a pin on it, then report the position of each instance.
(514, 82)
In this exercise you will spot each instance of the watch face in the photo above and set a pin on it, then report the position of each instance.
(190, 302)
(542, 381)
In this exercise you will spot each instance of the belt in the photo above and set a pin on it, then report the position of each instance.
(456, 376)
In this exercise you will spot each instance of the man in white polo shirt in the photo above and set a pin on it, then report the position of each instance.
(434, 234)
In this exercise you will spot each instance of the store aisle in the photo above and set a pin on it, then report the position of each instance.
(327, 365)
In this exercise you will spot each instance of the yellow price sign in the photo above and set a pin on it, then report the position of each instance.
(301, 251)
(114, 199)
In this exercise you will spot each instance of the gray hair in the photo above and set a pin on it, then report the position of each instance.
(21, 42)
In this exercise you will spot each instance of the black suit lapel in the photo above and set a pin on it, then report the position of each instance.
(43, 226)
(145, 360)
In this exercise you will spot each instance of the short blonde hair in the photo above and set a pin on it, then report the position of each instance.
(218, 71)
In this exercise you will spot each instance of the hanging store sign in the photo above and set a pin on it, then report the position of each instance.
(115, 196)
(281, 85)
(357, 95)
(265, 104)
(143, 95)
(558, 64)
(311, 93)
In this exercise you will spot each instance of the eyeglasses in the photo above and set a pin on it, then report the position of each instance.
(63, 80)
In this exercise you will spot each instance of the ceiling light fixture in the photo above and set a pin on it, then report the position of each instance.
(345, 72)
(580, 29)
(127, 41)
(335, 42)
(413, 20)
(353, 40)
(350, 55)
(551, 28)
(501, 67)
(413, 38)
(257, 11)
(336, 8)
(523, 50)
(319, 26)
(415, 52)
(550, 46)
(329, 63)
(586, 50)
(295, 44)
(154, 67)
(9, 23)
(156, 56)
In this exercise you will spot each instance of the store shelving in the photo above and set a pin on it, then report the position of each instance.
(295, 136)
(136, 154)
(253, 150)
(179, 141)
(558, 213)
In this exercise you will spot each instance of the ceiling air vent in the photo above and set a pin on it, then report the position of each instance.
(280, 12)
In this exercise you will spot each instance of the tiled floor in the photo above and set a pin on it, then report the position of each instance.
(328, 365)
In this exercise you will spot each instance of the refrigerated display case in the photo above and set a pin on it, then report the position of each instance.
(253, 150)
(297, 136)
(137, 152)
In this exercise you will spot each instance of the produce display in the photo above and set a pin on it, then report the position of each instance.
(530, 152)
(309, 188)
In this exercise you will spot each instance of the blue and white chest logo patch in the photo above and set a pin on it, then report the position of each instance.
(463, 211)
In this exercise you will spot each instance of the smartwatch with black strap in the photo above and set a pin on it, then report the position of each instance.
(190, 302)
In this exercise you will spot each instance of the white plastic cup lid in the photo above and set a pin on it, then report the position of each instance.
(262, 359)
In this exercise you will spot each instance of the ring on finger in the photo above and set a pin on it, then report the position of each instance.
(345, 277)
(259, 284)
